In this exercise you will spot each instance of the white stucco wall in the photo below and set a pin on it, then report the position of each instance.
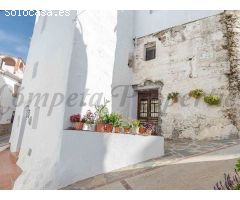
(85, 154)
(99, 62)
(7, 101)
(51, 47)
(147, 22)
(70, 60)
(90, 50)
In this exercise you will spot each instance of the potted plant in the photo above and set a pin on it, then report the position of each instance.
(101, 112)
(197, 93)
(127, 127)
(212, 99)
(173, 96)
(142, 129)
(115, 120)
(149, 128)
(135, 126)
(76, 121)
(108, 123)
(89, 119)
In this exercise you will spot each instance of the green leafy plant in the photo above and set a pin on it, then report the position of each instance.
(212, 99)
(114, 119)
(127, 125)
(136, 123)
(101, 111)
(197, 93)
(173, 96)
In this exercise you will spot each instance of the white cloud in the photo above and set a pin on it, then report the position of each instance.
(9, 38)
(21, 49)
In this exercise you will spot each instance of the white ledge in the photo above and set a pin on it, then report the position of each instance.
(85, 154)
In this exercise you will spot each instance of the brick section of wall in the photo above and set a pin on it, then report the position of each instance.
(5, 129)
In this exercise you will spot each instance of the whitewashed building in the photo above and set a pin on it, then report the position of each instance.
(134, 59)
(11, 74)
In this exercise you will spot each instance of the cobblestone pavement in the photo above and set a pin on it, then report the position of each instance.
(174, 151)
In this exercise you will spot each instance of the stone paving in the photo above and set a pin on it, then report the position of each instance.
(174, 152)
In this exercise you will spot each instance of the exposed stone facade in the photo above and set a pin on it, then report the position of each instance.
(194, 56)
(231, 20)
(5, 129)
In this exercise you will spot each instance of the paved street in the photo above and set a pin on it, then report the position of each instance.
(186, 165)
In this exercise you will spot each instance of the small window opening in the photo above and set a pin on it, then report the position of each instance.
(150, 51)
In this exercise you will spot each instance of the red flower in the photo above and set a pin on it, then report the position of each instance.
(75, 118)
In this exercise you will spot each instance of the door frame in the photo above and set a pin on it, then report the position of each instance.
(152, 85)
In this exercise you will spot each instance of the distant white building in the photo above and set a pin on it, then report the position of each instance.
(11, 74)
(135, 59)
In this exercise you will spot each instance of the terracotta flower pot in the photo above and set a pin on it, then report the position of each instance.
(142, 130)
(100, 127)
(78, 125)
(117, 129)
(127, 130)
(149, 131)
(108, 128)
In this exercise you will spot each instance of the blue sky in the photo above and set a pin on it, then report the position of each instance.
(15, 34)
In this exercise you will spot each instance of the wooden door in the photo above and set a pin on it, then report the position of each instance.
(148, 108)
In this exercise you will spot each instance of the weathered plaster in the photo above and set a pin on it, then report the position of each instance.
(189, 56)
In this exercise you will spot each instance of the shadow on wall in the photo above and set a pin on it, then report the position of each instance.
(6, 101)
(122, 74)
(73, 165)
(77, 76)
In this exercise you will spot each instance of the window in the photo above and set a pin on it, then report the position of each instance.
(150, 51)
(35, 68)
(148, 105)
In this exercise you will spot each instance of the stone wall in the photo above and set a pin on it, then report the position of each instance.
(5, 129)
(231, 20)
(191, 56)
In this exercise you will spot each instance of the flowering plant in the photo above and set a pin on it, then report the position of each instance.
(149, 126)
(75, 118)
(231, 182)
(89, 117)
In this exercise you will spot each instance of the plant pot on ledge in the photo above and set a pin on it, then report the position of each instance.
(89, 127)
(108, 128)
(126, 130)
(135, 130)
(100, 127)
(117, 129)
(142, 130)
(78, 125)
